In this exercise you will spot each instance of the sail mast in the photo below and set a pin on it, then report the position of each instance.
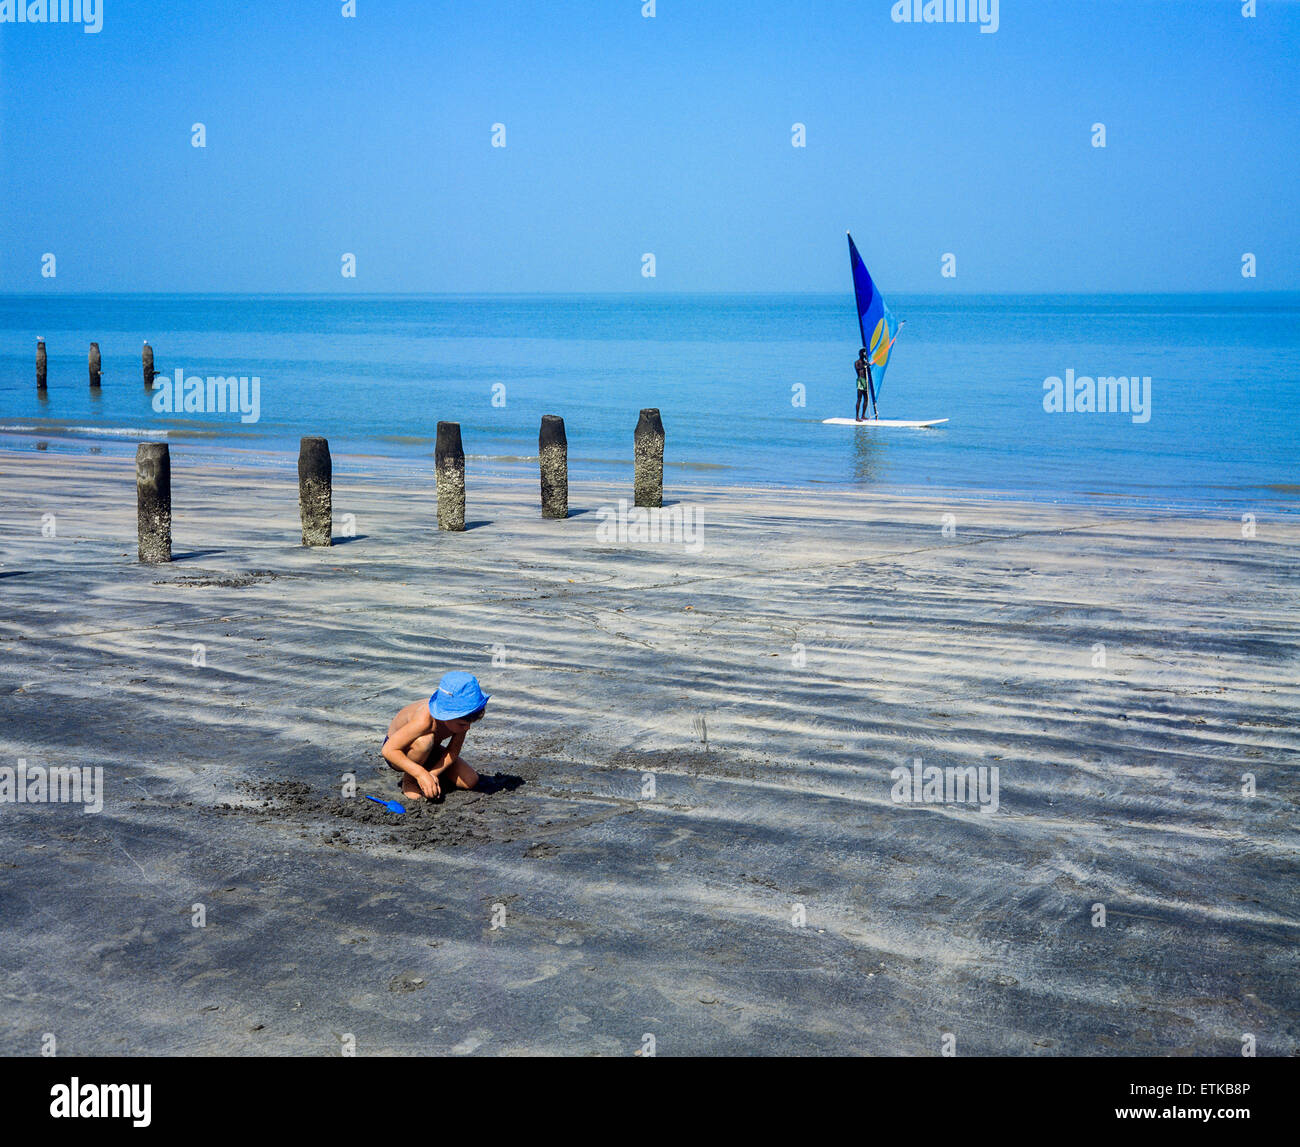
(855, 261)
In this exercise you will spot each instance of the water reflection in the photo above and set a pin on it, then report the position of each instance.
(868, 456)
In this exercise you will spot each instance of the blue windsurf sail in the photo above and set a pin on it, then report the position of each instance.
(876, 325)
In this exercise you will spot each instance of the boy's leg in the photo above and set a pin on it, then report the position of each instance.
(460, 774)
(419, 753)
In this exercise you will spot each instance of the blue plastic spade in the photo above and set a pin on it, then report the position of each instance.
(391, 806)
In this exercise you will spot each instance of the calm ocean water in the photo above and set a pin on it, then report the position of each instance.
(375, 375)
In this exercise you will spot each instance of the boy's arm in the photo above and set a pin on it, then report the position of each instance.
(446, 757)
(394, 752)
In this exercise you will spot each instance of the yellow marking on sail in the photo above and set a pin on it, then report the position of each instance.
(881, 344)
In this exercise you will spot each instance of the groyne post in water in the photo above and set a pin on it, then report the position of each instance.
(153, 501)
(146, 359)
(553, 454)
(40, 364)
(315, 492)
(95, 371)
(449, 461)
(648, 451)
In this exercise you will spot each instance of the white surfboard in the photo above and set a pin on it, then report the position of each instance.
(882, 422)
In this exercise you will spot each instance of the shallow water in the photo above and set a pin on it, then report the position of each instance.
(375, 374)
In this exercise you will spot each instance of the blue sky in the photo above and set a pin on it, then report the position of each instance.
(671, 135)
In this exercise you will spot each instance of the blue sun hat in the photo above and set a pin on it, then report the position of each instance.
(458, 695)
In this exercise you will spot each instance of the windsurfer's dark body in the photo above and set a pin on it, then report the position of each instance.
(866, 387)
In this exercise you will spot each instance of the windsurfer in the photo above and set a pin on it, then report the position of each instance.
(866, 389)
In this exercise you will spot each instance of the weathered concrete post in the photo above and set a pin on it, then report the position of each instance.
(153, 501)
(648, 451)
(553, 452)
(449, 460)
(40, 364)
(147, 362)
(315, 492)
(94, 364)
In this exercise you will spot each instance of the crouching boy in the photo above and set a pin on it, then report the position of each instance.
(425, 738)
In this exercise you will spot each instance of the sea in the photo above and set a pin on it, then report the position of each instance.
(742, 383)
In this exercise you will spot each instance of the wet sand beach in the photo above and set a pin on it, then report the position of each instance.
(688, 828)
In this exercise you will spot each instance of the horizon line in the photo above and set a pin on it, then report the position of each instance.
(1243, 292)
